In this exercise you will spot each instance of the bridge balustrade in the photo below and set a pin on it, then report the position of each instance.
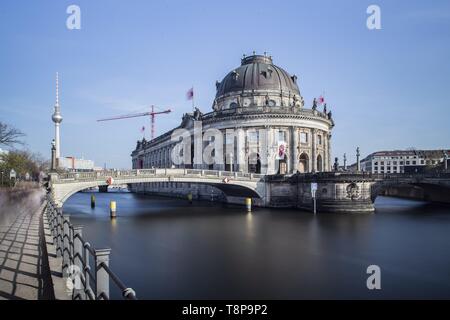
(90, 282)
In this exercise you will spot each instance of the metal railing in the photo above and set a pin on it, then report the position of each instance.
(76, 256)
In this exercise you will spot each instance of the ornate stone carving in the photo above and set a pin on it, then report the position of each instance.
(353, 191)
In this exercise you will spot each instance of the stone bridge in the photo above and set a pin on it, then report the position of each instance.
(336, 191)
(230, 183)
(432, 187)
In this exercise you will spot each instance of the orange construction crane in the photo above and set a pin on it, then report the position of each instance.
(152, 115)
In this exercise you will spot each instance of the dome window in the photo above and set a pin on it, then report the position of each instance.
(267, 73)
(233, 105)
(234, 75)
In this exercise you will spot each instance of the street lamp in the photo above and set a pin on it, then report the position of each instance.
(53, 164)
(12, 175)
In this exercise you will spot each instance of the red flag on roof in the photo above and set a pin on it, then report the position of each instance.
(190, 94)
(320, 100)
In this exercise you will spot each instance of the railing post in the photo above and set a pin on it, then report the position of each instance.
(66, 246)
(86, 270)
(59, 232)
(102, 277)
(77, 261)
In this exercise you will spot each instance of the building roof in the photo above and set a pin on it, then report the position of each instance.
(257, 72)
(395, 153)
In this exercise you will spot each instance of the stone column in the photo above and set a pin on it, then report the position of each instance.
(313, 150)
(328, 150)
(240, 150)
(294, 149)
(263, 145)
(326, 156)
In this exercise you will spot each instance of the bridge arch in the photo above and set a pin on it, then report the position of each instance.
(243, 187)
(424, 191)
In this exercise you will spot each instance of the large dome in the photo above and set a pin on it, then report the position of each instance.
(258, 76)
(258, 72)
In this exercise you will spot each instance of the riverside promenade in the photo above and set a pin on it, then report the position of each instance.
(25, 271)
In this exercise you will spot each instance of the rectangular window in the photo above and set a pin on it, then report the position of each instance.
(319, 139)
(407, 162)
(414, 162)
(303, 137)
(252, 136)
(281, 136)
(229, 138)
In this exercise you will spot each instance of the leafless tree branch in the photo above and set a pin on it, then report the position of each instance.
(10, 136)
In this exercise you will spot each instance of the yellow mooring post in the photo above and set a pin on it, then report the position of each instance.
(92, 201)
(189, 196)
(248, 204)
(112, 209)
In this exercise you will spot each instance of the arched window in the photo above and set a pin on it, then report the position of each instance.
(303, 163)
(319, 163)
(282, 165)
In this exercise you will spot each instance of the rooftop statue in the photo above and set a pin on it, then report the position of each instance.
(314, 107)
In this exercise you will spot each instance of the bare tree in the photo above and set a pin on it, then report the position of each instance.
(10, 136)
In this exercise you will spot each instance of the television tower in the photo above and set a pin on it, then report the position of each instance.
(57, 119)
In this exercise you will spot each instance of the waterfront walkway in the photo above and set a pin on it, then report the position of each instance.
(24, 269)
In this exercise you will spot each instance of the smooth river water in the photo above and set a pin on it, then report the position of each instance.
(167, 249)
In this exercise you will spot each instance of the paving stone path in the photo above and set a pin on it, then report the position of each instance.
(24, 269)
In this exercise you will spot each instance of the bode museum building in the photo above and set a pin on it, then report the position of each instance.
(260, 103)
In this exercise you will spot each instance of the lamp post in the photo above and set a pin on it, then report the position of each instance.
(13, 175)
(2, 177)
(445, 160)
(345, 162)
(53, 164)
(358, 165)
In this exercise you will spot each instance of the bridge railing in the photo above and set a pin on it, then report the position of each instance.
(136, 173)
(88, 268)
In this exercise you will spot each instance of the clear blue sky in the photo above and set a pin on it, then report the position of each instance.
(387, 88)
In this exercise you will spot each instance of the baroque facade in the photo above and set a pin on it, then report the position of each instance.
(258, 101)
